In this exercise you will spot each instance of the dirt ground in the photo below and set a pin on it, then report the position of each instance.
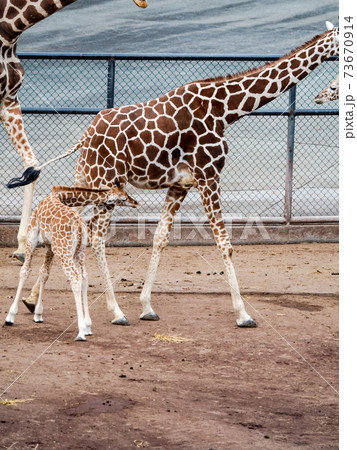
(272, 387)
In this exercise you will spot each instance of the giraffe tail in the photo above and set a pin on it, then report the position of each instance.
(32, 173)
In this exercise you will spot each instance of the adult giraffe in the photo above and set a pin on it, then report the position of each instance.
(177, 142)
(16, 16)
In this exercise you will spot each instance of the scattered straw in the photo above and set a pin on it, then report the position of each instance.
(169, 338)
(7, 402)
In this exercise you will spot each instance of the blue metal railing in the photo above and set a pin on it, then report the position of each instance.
(165, 73)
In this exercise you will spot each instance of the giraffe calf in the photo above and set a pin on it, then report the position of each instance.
(65, 235)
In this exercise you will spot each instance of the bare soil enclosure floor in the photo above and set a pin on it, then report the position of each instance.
(272, 387)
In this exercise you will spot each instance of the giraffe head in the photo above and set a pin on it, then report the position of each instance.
(331, 92)
(118, 197)
(81, 196)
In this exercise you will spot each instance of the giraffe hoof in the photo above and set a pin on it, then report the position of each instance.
(80, 338)
(30, 306)
(249, 323)
(123, 321)
(9, 324)
(150, 316)
(19, 256)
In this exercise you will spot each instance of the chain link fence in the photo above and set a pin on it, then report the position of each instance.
(62, 93)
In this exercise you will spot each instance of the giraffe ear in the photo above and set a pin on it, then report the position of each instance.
(329, 25)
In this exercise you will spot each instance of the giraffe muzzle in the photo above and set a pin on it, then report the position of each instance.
(127, 201)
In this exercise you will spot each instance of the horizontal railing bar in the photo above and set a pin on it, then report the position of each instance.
(54, 110)
(204, 221)
(314, 219)
(153, 56)
(316, 112)
(268, 112)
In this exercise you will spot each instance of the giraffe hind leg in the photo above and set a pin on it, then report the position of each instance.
(211, 200)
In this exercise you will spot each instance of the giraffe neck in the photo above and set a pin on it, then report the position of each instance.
(235, 96)
(81, 196)
(18, 15)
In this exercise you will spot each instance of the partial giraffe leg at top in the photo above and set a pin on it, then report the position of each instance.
(11, 117)
(211, 199)
(12, 120)
(173, 200)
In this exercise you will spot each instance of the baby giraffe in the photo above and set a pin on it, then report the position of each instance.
(64, 233)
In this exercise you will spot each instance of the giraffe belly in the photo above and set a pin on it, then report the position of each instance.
(179, 175)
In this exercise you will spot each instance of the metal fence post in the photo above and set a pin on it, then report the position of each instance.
(290, 156)
(110, 83)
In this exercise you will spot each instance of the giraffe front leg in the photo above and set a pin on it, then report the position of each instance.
(24, 273)
(173, 200)
(25, 270)
(97, 230)
(244, 320)
(211, 199)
